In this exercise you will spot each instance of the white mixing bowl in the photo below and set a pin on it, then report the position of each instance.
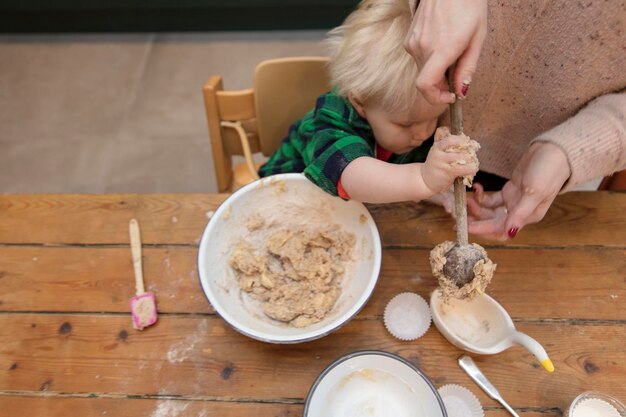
(288, 199)
(373, 383)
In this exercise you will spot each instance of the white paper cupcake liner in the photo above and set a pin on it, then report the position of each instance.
(594, 407)
(407, 316)
(460, 402)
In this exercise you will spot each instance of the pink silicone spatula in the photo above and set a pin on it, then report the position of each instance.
(143, 304)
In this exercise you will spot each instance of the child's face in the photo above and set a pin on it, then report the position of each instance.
(404, 131)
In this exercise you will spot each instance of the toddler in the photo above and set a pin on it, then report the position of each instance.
(371, 138)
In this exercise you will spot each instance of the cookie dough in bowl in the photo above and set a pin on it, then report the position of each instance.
(284, 262)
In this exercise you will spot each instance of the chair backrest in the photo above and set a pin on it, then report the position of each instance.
(228, 106)
(256, 120)
(284, 90)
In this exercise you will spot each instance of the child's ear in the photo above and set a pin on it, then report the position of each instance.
(357, 103)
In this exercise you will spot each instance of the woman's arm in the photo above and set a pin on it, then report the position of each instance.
(594, 140)
(589, 145)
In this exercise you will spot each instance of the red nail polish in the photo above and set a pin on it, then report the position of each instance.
(464, 89)
(513, 232)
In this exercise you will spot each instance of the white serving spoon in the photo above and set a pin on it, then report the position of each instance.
(467, 364)
(482, 326)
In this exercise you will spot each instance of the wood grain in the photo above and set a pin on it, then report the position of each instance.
(575, 219)
(67, 346)
(11, 406)
(54, 219)
(101, 279)
(204, 358)
(531, 284)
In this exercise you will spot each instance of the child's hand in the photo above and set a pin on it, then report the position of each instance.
(445, 200)
(450, 157)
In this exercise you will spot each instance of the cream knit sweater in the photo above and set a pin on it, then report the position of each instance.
(552, 71)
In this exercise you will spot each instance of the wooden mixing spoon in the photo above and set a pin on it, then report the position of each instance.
(460, 260)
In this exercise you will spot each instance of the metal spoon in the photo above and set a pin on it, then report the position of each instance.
(462, 257)
(467, 364)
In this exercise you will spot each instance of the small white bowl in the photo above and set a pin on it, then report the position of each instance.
(285, 198)
(595, 404)
(481, 325)
(373, 383)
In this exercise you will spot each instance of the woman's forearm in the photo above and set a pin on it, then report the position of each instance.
(594, 140)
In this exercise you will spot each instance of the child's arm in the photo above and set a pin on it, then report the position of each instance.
(369, 180)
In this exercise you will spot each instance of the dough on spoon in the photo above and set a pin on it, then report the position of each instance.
(483, 272)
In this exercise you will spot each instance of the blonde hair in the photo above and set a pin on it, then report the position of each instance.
(367, 55)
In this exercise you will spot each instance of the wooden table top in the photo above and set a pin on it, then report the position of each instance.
(67, 346)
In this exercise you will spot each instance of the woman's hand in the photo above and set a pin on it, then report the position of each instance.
(450, 157)
(525, 199)
(442, 32)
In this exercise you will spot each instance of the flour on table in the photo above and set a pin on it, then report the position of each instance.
(184, 349)
(169, 408)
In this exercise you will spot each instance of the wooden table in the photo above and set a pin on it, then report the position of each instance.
(67, 347)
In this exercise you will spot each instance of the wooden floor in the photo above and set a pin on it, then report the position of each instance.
(67, 346)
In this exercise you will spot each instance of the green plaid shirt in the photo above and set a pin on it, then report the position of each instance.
(326, 140)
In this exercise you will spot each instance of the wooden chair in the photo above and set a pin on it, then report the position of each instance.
(244, 122)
